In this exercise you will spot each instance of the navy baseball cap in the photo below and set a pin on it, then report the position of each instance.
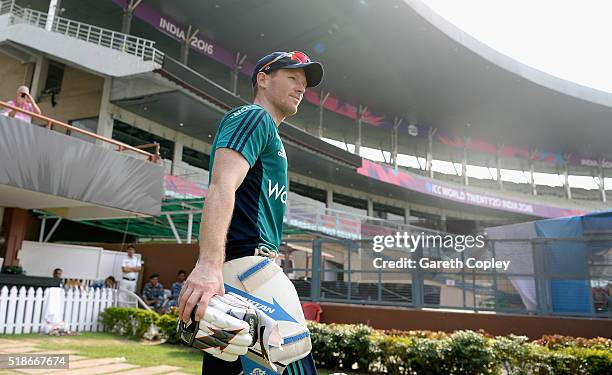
(290, 60)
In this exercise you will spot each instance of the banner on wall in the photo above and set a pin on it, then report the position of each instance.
(178, 31)
(462, 195)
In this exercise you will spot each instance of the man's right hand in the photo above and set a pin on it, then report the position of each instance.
(205, 281)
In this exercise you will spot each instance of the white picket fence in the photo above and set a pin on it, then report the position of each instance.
(22, 310)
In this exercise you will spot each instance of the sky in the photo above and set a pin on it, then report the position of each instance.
(565, 38)
(568, 39)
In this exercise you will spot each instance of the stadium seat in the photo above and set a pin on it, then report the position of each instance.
(312, 311)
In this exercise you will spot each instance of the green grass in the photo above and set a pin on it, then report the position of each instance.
(100, 345)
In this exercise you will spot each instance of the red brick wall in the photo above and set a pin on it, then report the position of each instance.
(164, 259)
(496, 324)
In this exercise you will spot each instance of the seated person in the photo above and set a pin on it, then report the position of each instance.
(175, 290)
(110, 282)
(153, 292)
(73, 283)
(57, 273)
(68, 283)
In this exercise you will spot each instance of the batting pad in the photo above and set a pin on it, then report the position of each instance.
(262, 282)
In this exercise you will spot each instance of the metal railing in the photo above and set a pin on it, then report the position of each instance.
(139, 47)
(343, 224)
(542, 282)
(126, 298)
(49, 123)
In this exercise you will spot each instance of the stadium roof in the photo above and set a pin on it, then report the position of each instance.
(399, 58)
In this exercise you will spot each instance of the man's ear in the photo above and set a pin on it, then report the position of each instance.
(261, 79)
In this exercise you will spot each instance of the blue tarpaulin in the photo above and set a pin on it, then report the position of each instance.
(566, 261)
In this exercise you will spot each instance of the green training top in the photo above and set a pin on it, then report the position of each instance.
(262, 197)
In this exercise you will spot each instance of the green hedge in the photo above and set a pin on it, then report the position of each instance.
(141, 324)
(358, 347)
(361, 348)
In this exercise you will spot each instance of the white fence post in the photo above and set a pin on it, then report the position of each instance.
(107, 300)
(12, 305)
(103, 300)
(27, 320)
(82, 310)
(22, 310)
(38, 306)
(4, 296)
(68, 317)
(96, 310)
(89, 295)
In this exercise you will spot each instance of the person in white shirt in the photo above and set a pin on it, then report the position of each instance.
(130, 268)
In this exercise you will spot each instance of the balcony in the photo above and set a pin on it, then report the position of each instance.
(45, 169)
(98, 49)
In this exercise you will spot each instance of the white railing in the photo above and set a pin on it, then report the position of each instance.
(130, 44)
(345, 224)
(126, 298)
(187, 172)
(6, 7)
(23, 310)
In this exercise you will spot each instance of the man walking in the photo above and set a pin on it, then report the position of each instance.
(247, 191)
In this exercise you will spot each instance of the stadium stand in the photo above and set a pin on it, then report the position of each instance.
(136, 90)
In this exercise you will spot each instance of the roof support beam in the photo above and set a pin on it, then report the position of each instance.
(406, 214)
(191, 33)
(443, 222)
(177, 156)
(466, 141)
(41, 234)
(429, 160)
(534, 190)
(189, 227)
(235, 74)
(128, 12)
(329, 198)
(360, 112)
(53, 10)
(602, 180)
(498, 152)
(105, 119)
(322, 100)
(382, 152)
(53, 228)
(394, 140)
(566, 185)
(174, 231)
